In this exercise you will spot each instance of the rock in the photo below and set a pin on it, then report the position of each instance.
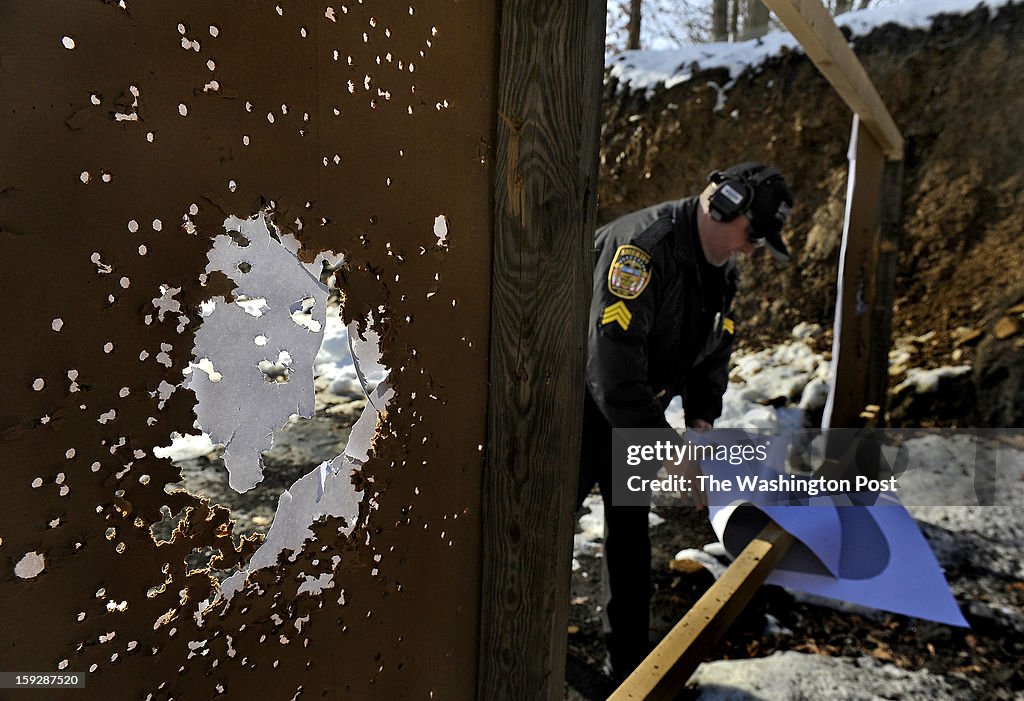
(350, 409)
(773, 626)
(999, 374)
(923, 338)
(813, 398)
(806, 330)
(1006, 327)
(939, 394)
(795, 676)
(686, 566)
(994, 617)
(986, 538)
(964, 336)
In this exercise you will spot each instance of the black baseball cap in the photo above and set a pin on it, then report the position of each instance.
(770, 206)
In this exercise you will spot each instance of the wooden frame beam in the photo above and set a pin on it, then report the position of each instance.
(662, 675)
(811, 25)
(550, 57)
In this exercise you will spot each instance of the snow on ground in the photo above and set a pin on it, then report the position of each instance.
(645, 70)
(334, 365)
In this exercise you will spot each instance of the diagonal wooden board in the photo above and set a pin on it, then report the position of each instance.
(664, 672)
(812, 25)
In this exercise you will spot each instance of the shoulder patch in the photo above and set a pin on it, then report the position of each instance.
(617, 313)
(630, 272)
(729, 326)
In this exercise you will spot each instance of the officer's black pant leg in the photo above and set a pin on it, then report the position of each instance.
(626, 567)
(626, 583)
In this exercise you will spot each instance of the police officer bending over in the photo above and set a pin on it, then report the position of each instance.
(660, 326)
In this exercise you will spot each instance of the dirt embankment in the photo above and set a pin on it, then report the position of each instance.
(955, 94)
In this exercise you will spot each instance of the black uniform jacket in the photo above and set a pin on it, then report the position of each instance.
(659, 327)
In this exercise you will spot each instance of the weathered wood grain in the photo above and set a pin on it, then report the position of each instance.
(545, 184)
(857, 290)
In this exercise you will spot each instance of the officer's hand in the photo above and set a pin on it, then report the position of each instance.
(699, 425)
(688, 470)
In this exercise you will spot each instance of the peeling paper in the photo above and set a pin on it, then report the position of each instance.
(315, 585)
(325, 491)
(166, 302)
(242, 410)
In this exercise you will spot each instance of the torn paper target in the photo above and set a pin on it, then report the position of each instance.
(279, 319)
(325, 491)
(869, 555)
(239, 403)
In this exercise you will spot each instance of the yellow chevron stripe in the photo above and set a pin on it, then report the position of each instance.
(729, 326)
(618, 313)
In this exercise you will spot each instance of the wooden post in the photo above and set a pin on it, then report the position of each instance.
(545, 185)
(858, 259)
(866, 274)
(890, 235)
(860, 356)
(662, 675)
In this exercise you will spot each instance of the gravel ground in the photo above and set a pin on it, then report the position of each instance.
(867, 654)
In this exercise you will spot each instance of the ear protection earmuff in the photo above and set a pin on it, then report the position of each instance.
(734, 193)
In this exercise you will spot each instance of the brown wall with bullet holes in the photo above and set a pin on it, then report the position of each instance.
(128, 135)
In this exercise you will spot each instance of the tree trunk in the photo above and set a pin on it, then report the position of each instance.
(633, 42)
(734, 20)
(757, 19)
(720, 20)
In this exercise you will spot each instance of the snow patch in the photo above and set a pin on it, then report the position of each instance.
(647, 70)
